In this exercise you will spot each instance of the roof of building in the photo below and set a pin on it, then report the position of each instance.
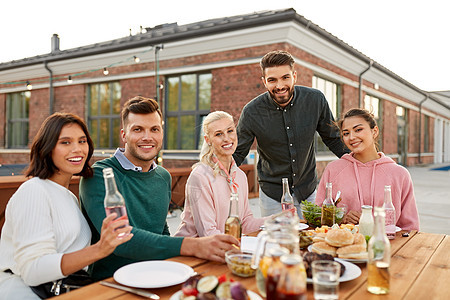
(173, 32)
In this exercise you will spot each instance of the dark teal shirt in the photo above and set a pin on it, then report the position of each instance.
(285, 138)
(147, 197)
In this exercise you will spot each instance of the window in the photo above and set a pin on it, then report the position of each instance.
(104, 114)
(188, 101)
(17, 112)
(331, 91)
(373, 105)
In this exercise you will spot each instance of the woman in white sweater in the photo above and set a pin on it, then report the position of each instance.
(45, 236)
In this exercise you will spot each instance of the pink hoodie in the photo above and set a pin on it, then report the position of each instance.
(363, 184)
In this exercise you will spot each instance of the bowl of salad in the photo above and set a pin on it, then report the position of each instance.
(312, 213)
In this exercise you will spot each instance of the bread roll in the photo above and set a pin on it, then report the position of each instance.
(355, 251)
(322, 247)
(339, 237)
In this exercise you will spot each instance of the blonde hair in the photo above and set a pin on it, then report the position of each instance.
(206, 152)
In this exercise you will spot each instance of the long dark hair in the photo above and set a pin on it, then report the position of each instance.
(41, 163)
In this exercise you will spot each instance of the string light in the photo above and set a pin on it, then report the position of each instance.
(136, 59)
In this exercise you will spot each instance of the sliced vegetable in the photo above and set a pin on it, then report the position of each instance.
(207, 284)
(223, 290)
(238, 292)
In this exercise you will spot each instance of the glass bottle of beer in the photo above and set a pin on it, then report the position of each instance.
(328, 208)
(233, 223)
(389, 210)
(379, 250)
(287, 202)
(114, 201)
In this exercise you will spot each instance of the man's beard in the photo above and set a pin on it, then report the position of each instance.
(283, 99)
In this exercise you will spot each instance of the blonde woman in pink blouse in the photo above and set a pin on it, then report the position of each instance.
(211, 181)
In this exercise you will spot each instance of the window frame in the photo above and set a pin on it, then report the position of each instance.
(110, 117)
(24, 97)
(335, 108)
(198, 113)
(378, 119)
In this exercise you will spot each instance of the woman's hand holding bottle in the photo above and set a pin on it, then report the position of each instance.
(113, 234)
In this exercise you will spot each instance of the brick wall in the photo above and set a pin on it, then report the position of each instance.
(232, 88)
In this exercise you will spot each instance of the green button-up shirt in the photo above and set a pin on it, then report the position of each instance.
(285, 138)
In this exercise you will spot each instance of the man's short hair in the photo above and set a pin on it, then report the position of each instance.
(139, 105)
(276, 58)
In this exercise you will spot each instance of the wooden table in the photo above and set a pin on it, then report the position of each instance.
(420, 269)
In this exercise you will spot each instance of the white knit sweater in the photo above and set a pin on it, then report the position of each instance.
(42, 222)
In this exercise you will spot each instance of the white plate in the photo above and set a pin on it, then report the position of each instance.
(355, 261)
(252, 295)
(153, 274)
(352, 271)
(397, 229)
(301, 226)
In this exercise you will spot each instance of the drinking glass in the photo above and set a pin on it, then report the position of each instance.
(326, 279)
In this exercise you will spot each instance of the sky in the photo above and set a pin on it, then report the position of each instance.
(409, 37)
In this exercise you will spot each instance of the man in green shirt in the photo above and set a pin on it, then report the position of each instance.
(146, 188)
(284, 121)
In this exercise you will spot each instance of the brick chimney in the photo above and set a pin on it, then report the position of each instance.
(55, 43)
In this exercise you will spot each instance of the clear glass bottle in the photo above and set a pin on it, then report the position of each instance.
(292, 282)
(379, 250)
(233, 223)
(366, 222)
(328, 208)
(287, 201)
(389, 210)
(114, 201)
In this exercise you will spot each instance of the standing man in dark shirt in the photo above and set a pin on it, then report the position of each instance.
(284, 121)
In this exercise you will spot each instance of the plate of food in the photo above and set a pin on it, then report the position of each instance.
(153, 274)
(349, 271)
(341, 243)
(212, 287)
(180, 296)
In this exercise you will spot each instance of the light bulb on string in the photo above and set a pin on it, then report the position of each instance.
(105, 71)
(69, 79)
(29, 86)
(136, 59)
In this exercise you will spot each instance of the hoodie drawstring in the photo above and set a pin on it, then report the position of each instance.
(358, 183)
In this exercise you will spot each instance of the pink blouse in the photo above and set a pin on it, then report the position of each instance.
(207, 204)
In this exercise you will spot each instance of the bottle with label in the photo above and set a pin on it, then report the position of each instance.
(292, 282)
(328, 207)
(287, 201)
(366, 222)
(114, 202)
(379, 250)
(233, 223)
(389, 210)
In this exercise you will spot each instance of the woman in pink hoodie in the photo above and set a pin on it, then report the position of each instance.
(212, 180)
(362, 174)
